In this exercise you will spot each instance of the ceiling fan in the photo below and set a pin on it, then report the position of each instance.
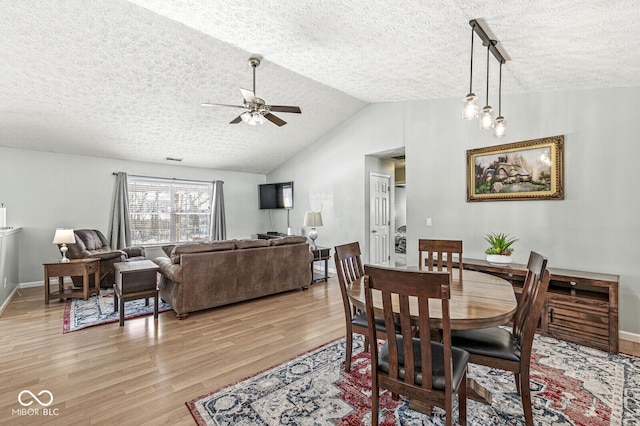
(256, 111)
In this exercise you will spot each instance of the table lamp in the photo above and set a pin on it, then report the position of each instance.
(64, 237)
(313, 220)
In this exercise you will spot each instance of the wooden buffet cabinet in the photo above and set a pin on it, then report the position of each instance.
(580, 307)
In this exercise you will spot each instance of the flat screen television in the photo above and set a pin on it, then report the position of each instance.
(276, 195)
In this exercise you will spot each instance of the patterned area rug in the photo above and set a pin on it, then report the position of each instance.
(79, 314)
(571, 385)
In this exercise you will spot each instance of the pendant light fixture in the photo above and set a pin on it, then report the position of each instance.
(500, 128)
(470, 102)
(486, 115)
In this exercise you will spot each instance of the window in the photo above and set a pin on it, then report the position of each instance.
(169, 211)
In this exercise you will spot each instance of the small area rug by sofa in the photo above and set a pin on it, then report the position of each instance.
(571, 385)
(79, 313)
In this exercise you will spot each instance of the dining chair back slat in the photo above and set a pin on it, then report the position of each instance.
(439, 255)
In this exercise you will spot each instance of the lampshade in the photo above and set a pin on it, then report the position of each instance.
(312, 219)
(64, 236)
(486, 118)
(470, 107)
(500, 128)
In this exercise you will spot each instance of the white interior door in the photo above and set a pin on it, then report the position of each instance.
(379, 221)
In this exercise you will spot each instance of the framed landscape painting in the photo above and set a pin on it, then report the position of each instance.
(529, 170)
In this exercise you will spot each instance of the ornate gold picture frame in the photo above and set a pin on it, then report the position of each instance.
(529, 170)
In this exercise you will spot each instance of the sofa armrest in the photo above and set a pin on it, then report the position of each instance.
(169, 269)
(108, 255)
(134, 251)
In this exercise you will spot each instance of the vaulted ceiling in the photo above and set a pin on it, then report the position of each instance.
(126, 79)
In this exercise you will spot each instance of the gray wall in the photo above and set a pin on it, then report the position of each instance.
(43, 191)
(595, 228)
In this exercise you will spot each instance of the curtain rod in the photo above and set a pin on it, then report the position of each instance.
(156, 177)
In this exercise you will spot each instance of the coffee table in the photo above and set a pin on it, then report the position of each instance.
(135, 280)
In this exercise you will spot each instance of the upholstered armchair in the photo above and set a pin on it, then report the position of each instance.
(91, 243)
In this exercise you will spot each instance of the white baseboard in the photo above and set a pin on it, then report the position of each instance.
(631, 337)
(32, 284)
(6, 302)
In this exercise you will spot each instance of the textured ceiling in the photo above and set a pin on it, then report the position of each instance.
(125, 80)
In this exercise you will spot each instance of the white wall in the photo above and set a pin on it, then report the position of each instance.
(43, 191)
(595, 228)
(330, 175)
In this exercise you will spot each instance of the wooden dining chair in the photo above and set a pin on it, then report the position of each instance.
(415, 367)
(511, 351)
(349, 269)
(438, 255)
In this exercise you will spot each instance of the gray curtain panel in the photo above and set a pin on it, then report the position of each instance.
(119, 226)
(218, 221)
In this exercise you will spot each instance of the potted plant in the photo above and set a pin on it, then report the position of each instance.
(500, 249)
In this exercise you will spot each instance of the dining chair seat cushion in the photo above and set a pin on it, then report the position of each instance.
(460, 359)
(493, 342)
(360, 319)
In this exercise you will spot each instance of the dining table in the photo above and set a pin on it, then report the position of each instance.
(478, 300)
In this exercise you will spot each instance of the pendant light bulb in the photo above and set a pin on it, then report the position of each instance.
(486, 118)
(470, 106)
(486, 115)
(500, 128)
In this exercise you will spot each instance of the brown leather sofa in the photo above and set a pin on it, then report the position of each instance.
(205, 275)
(91, 243)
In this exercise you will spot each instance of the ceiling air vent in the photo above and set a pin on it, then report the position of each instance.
(173, 159)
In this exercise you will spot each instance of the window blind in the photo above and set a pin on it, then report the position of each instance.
(165, 211)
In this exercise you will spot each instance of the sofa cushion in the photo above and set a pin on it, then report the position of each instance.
(200, 248)
(245, 244)
(92, 239)
(292, 239)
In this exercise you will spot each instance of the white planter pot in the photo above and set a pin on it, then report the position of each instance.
(498, 258)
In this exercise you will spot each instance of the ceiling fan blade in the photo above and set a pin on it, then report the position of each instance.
(236, 120)
(285, 108)
(207, 104)
(275, 120)
(248, 95)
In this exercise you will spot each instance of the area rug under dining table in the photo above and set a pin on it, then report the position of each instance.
(97, 310)
(571, 385)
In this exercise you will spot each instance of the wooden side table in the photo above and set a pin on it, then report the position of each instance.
(75, 268)
(320, 254)
(135, 280)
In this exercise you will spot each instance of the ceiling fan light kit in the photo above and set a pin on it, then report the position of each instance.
(256, 109)
(470, 102)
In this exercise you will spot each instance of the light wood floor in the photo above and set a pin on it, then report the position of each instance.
(144, 372)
